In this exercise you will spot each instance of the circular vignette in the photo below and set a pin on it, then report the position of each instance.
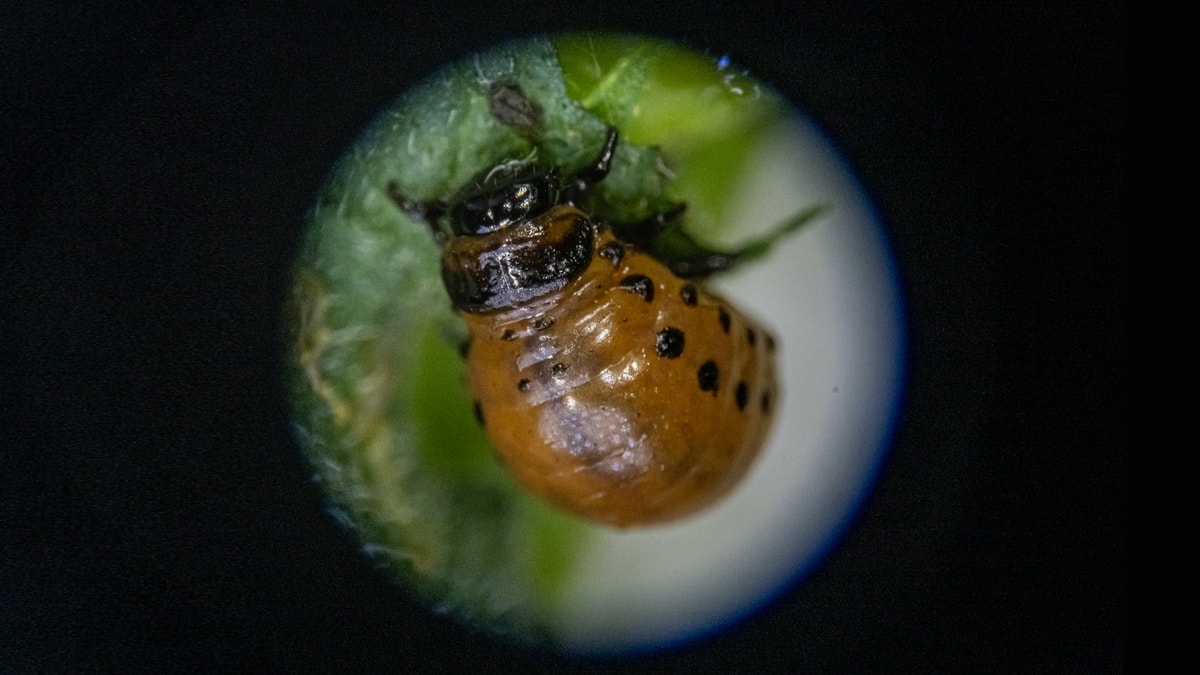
(377, 379)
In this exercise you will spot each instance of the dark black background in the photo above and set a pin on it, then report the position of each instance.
(156, 166)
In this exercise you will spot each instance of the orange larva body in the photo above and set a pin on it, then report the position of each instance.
(608, 385)
(627, 396)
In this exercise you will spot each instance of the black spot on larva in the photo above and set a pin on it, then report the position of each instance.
(751, 336)
(509, 334)
(709, 376)
(723, 317)
(765, 402)
(742, 395)
(543, 322)
(464, 348)
(612, 252)
(479, 414)
(688, 293)
(558, 370)
(669, 343)
(640, 284)
(523, 385)
(770, 343)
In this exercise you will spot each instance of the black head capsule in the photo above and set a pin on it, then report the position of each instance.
(503, 197)
(518, 235)
(510, 267)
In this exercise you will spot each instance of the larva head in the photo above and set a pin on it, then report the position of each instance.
(503, 197)
(517, 234)
(519, 262)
